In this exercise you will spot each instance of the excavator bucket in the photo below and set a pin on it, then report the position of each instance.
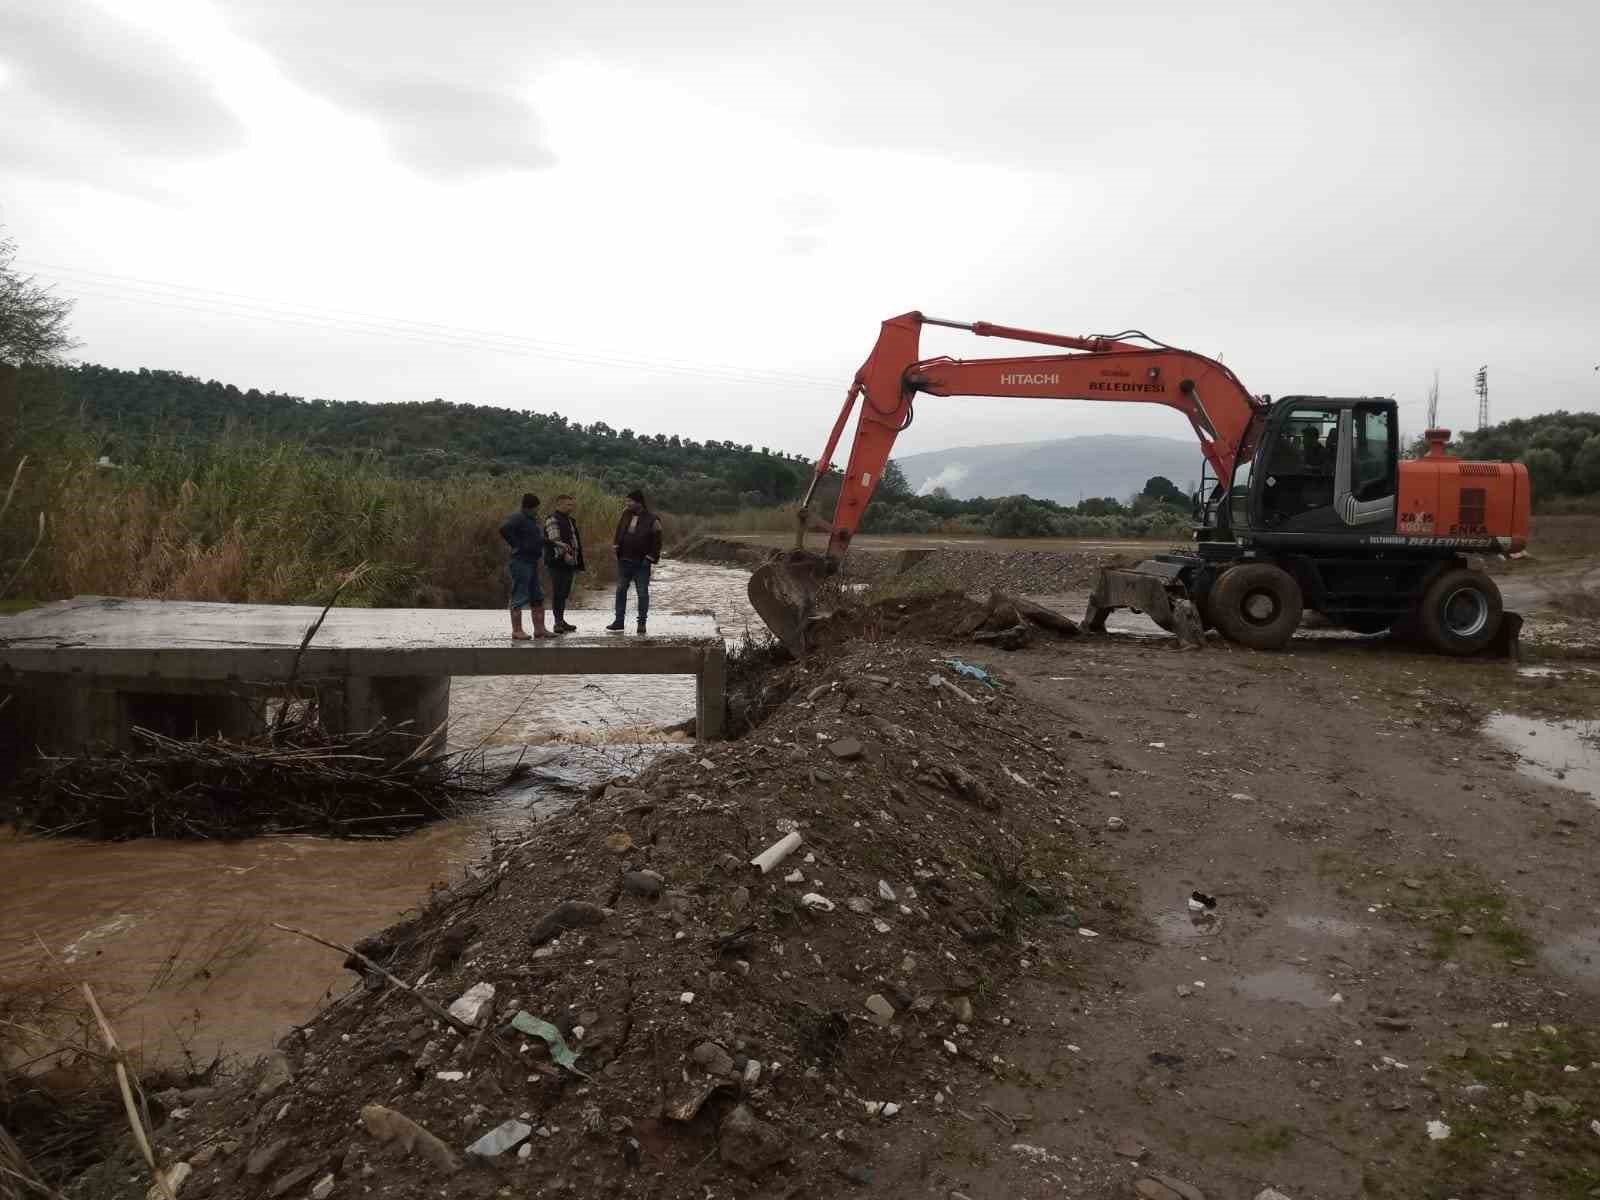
(1154, 588)
(784, 592)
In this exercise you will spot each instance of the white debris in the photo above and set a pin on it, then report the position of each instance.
(817, 902)
(1082, 932)
(1336, 998)
(885, 892)
(1036, 1154)
(951, 1046)
(686, 998)
(1438, 1131)
(795, 876)
(752, 1072)
(881, 925)
(778, 851)
(469, 1005)
(450, 1076)
(500, 1139)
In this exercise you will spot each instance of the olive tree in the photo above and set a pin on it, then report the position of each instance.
(33, 319)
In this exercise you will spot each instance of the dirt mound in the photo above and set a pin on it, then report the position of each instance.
(721, 550)
(815, 1026)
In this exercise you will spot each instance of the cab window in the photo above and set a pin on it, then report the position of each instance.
(1300, 464)
(1372, 473)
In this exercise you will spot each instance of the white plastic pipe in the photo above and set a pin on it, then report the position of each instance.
(777, 852)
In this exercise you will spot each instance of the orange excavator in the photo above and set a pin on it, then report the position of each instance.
(1305, 504)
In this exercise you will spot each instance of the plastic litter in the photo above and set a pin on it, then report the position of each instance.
(560, 1052)
(968, 671)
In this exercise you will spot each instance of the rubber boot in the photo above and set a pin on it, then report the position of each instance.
(641, 629)
(516, 627)
(539, 631)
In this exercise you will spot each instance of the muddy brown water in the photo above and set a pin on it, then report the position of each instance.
(178, 934)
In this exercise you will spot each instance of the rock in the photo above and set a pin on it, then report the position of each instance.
(741, 898)
(961, 1009)
(569, 914)
(882, 1011)
(1153, 1189)
(644, 884)
(1184, 991)
(1398, 1024)
(752, 1073)
(469, 1006)
(275, 1074)
(846, 749)
(389, 1126)
(885, 892)
(1116, 825)
(1414, 884)
(749, 1143)
(859, 905)
(260, 1162)
(816, 902)
(713, 1058)
(293, 1179)
(619, 842)
(203, 1157)
(500, 1139)
(1129, 1146)
(322, 1188)
(1270, 1194)
(1187, 1190)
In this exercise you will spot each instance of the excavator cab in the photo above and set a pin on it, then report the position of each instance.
(1324, 468)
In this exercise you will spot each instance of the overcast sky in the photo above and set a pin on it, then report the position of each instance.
(691, 217)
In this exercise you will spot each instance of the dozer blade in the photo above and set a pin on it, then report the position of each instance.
(784, 592)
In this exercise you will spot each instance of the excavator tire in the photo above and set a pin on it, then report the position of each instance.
(1461, 611)
(1257, 605)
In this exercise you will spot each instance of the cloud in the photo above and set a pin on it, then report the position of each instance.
(70, 62)
(444, 84)
(947, 478)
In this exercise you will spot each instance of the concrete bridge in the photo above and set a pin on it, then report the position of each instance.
(85, 671)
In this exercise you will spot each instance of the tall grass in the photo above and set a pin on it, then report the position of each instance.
(247, 521)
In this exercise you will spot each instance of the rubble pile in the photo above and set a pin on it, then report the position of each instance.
(761, 964)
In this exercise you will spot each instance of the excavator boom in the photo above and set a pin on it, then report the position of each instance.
(1225, 417)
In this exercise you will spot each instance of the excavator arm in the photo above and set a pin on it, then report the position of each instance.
(1225, 418)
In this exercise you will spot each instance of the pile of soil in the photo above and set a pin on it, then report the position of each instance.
(1033, 572)
(800, 1031)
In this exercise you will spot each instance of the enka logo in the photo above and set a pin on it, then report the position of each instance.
(1102, 386)
(1030, 378)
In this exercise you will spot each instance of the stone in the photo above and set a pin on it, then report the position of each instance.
(1153, 1189)
(275, 1074)
(1128, 1146)
(882, 1011)
(569, 914)
(846, 749)
(619, 842)
(961, 1009)
(741, 898)
(287, 1183)
(752, 1073)
(1116, 825)
(203, 1157)
(322, 1188)
(389, 1126)
(1397, 1024)
(644, 884)
(885, 892)
(713, 1058)
(749, 1143)
(500, 1139)
(859, 905)
(468, 1006)
(260, 1162)
(1187, 1190)
(1270, 1194)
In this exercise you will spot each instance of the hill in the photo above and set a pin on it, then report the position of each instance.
(1065, 470)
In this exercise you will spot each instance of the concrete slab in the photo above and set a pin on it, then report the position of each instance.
(96, 665)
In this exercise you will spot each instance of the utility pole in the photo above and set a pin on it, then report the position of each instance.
(1483, 397)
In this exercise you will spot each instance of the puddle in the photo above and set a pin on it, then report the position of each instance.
(1178, 927)
(1577, 955)
(1288, 985)
(1336, 927)
(1554, 672)
(1563, 752)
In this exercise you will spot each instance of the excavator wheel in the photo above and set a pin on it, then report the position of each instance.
(1461, 611)
(1257, 605)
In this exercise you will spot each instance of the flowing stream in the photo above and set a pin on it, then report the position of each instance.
(177, 935)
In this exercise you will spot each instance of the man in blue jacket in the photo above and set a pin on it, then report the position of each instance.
(522, 533)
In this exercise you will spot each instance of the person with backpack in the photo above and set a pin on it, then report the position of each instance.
(563, 554)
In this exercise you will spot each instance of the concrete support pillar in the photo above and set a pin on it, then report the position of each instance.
(421, 703)
(711, 687)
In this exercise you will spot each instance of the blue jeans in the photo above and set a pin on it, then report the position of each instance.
(637, 572)
(525, 589)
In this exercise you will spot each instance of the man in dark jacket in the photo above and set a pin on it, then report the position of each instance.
(638, 546)
(522, 533)
(563, 554)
